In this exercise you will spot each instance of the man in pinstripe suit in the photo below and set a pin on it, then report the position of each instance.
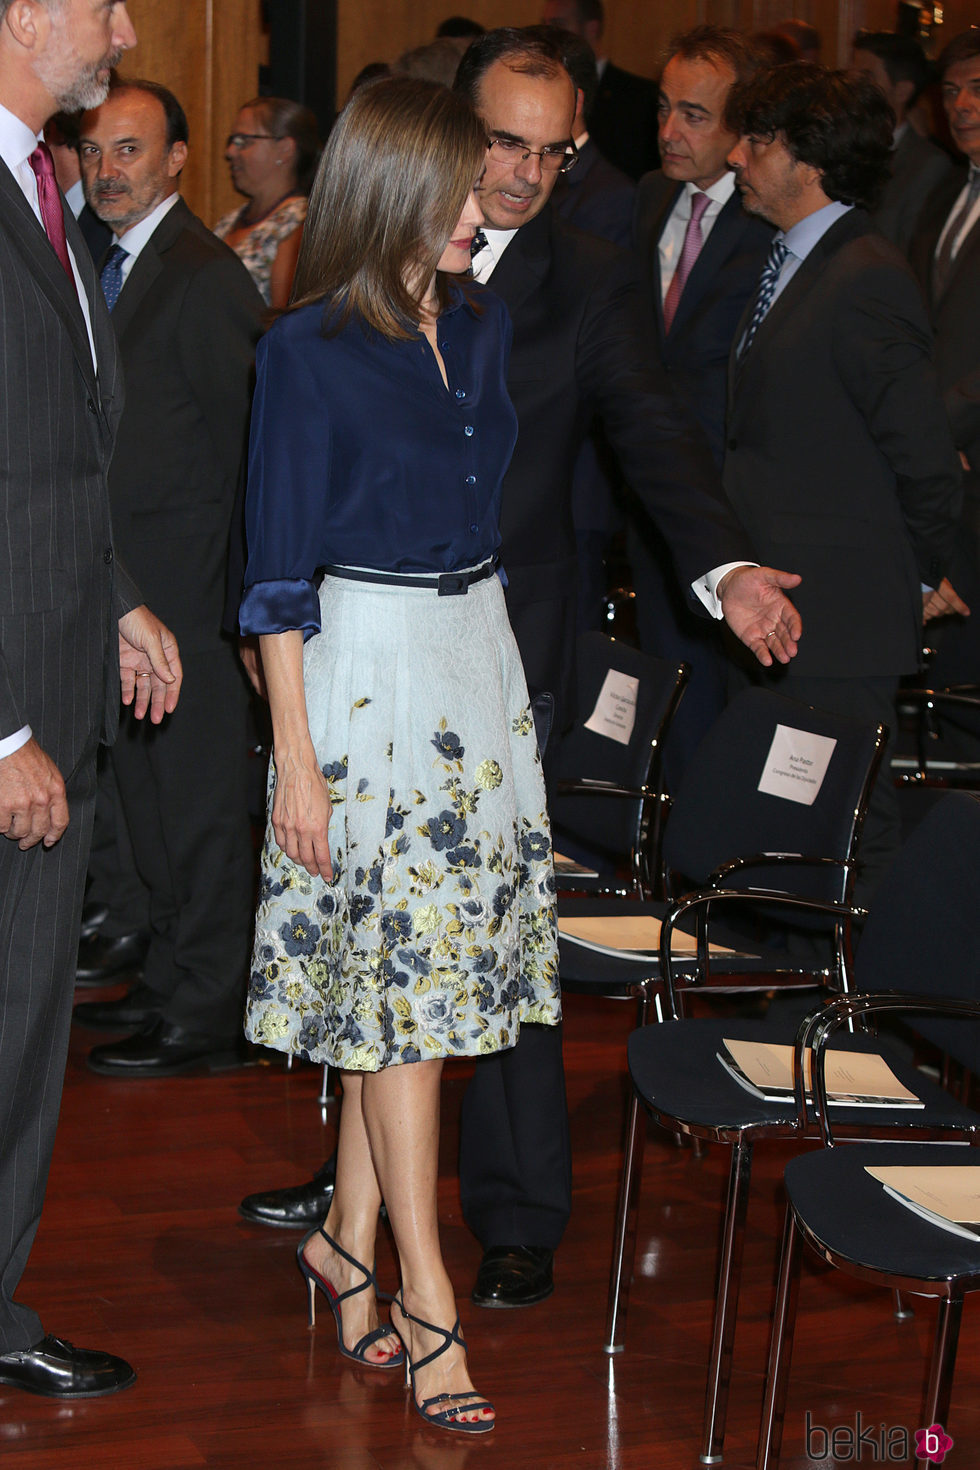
(64, 607)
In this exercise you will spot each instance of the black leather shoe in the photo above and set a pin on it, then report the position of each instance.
(100, 959)
(162, 1049)
(514, 1276)
(129, 1013)
(58, 1370)
(297, 1208)
(94, 916)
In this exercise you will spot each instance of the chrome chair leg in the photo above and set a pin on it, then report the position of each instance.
(624, 1241)
(726, 1305)
(780, 1346)
(943, 1361)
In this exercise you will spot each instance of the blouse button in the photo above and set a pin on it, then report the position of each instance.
(474, 528)
(468, 431)
(471, 479)
(460, 393)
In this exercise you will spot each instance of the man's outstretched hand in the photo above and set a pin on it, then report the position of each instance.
(756, 608)
(149, 664)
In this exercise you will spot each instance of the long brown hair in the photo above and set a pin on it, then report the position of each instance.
(391, 186)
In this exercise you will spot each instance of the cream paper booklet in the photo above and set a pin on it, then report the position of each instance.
(638, 934)
(947, 1195)
(854, 1079)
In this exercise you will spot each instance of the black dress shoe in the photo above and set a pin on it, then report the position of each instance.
(162, 1049)
(297, 1208)
(101, 958)
(514, 1276)
(58, 1370)
(94, 916)
(129, 1013)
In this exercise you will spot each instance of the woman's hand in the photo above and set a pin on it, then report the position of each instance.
(301, 813)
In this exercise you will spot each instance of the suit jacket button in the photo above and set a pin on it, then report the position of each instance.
(91, 406)
(107, 556)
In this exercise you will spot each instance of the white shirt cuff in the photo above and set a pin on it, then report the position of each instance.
(705, 588)
(10, 743)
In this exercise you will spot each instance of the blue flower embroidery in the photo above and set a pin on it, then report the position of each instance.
(445, 830)
(447, 743)
(299, 935)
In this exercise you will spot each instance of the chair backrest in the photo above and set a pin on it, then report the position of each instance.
(595, 754)
(923, 932)
(720, 814)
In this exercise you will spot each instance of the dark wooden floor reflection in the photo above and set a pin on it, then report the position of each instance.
(141, 1251)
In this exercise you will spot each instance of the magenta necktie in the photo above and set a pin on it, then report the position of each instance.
(693, 240)
(49, 199)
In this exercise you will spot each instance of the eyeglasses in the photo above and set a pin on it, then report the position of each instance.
(557, 158)
(242, 140)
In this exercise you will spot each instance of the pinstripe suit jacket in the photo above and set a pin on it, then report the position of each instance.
(61, 593)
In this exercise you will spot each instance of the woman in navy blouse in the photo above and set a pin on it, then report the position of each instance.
(406, 908)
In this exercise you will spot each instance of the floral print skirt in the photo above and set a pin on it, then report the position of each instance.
(437, 935)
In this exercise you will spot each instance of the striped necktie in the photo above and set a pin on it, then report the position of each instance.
(767, 287)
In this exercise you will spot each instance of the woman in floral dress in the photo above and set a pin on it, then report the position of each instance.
(406, 911)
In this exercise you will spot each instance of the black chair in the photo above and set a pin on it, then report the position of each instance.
(610, 795)
(945, 737)
(922, 925)
(845, 1215)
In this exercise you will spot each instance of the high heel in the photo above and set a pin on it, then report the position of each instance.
(455, 1402)
(334, 1298)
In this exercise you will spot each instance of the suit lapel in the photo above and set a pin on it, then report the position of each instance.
(798, 287)
(524, 263)
(968, 253)
(34, 247)
(726, 232)
(148, 266)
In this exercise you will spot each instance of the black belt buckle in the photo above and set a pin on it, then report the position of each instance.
(453, 584)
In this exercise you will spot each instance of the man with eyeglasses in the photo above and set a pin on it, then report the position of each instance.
(581, 344)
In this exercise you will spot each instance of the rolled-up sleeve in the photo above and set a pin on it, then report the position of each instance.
(286, 503)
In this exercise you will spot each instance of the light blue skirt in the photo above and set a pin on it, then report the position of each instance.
(437, 935)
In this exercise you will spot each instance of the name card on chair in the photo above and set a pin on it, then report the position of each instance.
(796, 764)
(615, 709)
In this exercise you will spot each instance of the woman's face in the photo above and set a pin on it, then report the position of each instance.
(255, 156)
(456, 256)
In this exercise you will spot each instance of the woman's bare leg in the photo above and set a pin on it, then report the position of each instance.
(353, 1222)
(400, 1108)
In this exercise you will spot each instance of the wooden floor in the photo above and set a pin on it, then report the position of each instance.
(141, 1251)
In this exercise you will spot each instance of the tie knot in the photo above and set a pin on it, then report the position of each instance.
(41, 161)
(777, 254)
(699, 203)
(974, 181)
(114, 257)
(477, 244)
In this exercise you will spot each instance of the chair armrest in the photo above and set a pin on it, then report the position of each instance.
(584, 784)
(817, 1029)
(775, 860)
(706, 898)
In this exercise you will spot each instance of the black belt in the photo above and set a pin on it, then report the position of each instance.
(447, 584)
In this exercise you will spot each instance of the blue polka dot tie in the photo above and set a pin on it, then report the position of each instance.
(767, 287)
(111, 274)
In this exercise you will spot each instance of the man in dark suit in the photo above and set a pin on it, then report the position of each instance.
(897, 64)
(622, 117)
(187, 317)
(581, 345)
(72, 628)
(839, 456)
(946, 258)
(701, 273)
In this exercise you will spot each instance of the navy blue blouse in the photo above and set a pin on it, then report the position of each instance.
(360, 456)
